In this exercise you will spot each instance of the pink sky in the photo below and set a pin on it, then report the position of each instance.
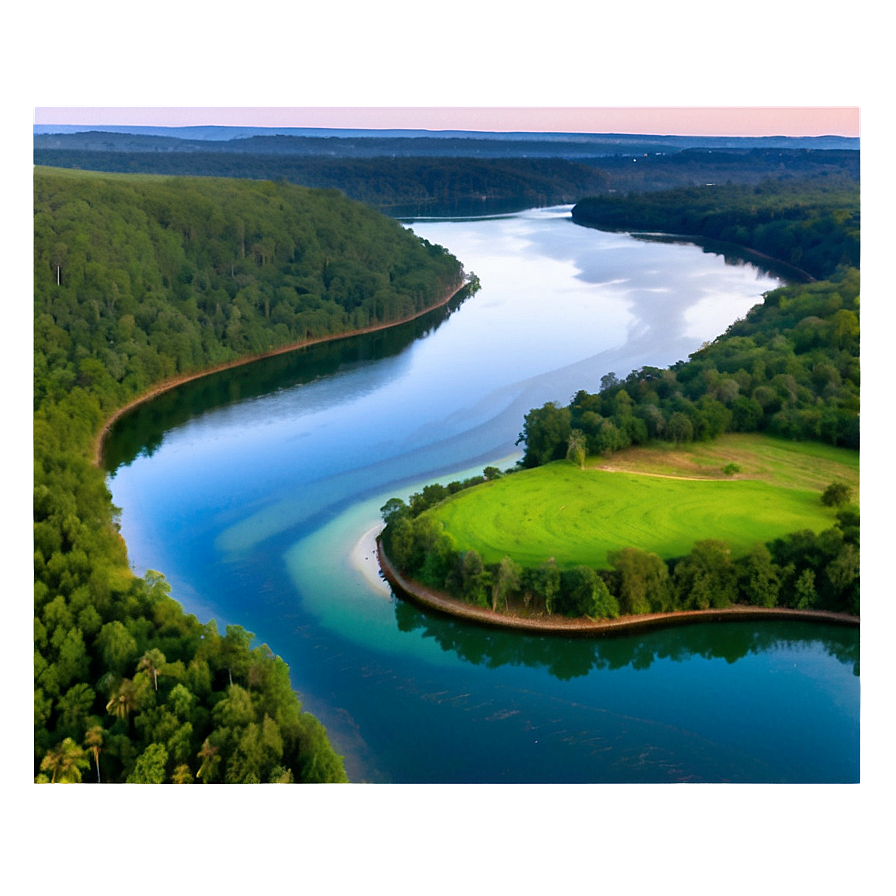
(688, 121)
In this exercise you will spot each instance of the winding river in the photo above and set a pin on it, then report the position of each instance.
(257, 491)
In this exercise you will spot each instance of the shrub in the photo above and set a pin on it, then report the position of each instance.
(836, 494)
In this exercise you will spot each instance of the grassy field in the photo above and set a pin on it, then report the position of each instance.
(661, 500)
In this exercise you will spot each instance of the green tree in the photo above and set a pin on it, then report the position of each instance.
(836, 494)
(74, 708)
(842, 574)
(73, 662)
(209, 760)
(644, 582)
(117, 646)
(151, 662)
(545, 582)
(316, 760)
(545, 432)
(507, 577)
(281, 775)
(760, 578)
(805, 595)
(236, 709)
(258, 751)
(706, 578)
(679, 428)
(126, 698)
(181, 700)
(844, 328)
(65, 762)
(182, 775)
(150, 766)
(393, 510)
(235, 651)
(575, 451)
(584, 593)
(475, 579)
(93, 740)
(848, 521)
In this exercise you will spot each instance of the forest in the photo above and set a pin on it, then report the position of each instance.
(381, 183)
(420, 173)
(139, 281)
(789, 368)
(813, 225)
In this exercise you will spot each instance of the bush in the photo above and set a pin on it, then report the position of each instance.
(836, 494)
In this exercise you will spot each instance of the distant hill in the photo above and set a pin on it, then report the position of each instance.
(363, 143)
(409, 173)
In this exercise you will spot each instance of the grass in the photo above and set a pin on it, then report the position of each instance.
(577, 516)
(811, 465)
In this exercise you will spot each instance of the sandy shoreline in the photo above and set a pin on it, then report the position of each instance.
(363, 559)
(443, 603)
(173, 383)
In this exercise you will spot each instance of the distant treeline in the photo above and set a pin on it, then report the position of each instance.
(379, 182)
(137, 280)
(720, 167)
(812, 225)
(525, 180)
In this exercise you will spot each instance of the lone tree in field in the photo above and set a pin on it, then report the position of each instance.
(836, 494)
(576, 448)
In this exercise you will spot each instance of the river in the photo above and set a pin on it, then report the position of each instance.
(253, 491)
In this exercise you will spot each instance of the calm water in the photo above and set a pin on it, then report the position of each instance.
(253, 491)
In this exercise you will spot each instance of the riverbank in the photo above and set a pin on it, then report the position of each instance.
(174, 382)
(443, 603)
(363, 559)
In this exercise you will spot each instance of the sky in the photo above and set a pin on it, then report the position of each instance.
(680, 120)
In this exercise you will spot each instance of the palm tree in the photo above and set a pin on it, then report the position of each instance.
(210, 760)
(152, 661)
(93, 740)
(66, 762)
(124, 700)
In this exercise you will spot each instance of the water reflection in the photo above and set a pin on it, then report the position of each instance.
(735, 256)
(568, 658)
(141, 431)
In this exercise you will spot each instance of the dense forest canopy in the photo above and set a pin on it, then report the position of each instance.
(138, 280)
(813, 225)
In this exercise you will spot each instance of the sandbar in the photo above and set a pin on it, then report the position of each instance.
(363, 559)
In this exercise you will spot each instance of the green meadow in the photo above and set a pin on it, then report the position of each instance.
(661, 500)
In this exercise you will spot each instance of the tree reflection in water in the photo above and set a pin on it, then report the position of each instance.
(566, 658)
